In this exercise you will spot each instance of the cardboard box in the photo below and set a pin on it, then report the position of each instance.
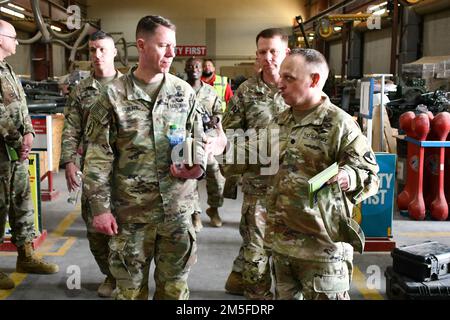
(57, 128)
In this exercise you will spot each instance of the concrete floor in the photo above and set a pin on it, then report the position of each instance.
(66, 245)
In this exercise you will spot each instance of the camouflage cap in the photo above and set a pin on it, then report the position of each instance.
(337, 217)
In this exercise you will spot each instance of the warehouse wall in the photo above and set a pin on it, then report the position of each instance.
(436, 35)
(21, 61)
(59, 60)
(226, 27)
(377, 51)
(335, 60)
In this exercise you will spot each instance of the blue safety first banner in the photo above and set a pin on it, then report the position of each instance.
(377, 211)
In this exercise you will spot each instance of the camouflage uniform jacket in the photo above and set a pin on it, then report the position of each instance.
(252, 107)
(79, 103)
(207, 97)
(15, 121)
(128, 157)
(324, 136)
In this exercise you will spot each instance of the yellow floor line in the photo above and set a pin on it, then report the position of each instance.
(57, 233)
(359, 280)
(424, 234)
(64, 248)
(65, 224)
(17, 278)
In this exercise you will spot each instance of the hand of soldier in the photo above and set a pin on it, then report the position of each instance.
(216, 145)
(184, 172)
(72, 180)
(342, 178)
(27, 142)
(105, 223)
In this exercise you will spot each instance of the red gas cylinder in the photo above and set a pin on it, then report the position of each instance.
(404, 197)
(416, 208)
(440, 126)
(447, 173)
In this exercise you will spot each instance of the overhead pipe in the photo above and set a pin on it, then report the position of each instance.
(393, 64)
(40, 21)
(32, 40)
(124, 59)
(80, 38)
(430, 6)
(325, 12)
(64, 36)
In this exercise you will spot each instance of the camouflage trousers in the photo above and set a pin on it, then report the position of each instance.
(172, 246)
(253, 259)
(297, 279)
(214, 184)
(98, 242)
(15, 202)
(214, 187)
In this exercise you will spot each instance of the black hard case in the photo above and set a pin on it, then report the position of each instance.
(425, 261)
(399, 287)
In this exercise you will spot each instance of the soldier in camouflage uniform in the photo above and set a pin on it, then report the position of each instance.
(207, 98)
(81, 99)
(135, 191)
(16, 139)
(313, 134)
(254, 104)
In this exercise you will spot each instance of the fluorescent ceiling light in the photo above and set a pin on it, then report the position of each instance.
(12, 12)
(377, 7)
(55, 28)
(379, 12)
(16, 7)
(337, 29)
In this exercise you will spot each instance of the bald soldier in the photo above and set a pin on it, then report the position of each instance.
(16, 140)
(313, 257)
(102, 52)
(212, 107)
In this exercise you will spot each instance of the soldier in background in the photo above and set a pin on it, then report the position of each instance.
(220, 83)
(138, 192)
(207, 98)
(16, 140)
(310, 261)
(255, 103)
(74, 144)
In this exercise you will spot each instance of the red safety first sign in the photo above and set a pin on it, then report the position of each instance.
(189, 51)
(39, 125)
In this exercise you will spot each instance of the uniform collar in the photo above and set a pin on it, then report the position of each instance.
(314, 118)
(262, 87)
(4, 65)
(134, 92)
(94, 83)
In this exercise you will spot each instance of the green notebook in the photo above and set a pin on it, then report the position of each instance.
(316, 182)
(12, 153)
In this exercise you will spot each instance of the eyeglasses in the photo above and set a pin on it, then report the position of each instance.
(12, 37)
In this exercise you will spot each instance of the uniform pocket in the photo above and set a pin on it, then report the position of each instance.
(192, 256)
(117, 255)
(331, 284)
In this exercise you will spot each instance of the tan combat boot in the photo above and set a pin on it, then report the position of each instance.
(214, 215)
(106, 289)
(5, 282)
(28, 262)
(197, 222)
(235, 284)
